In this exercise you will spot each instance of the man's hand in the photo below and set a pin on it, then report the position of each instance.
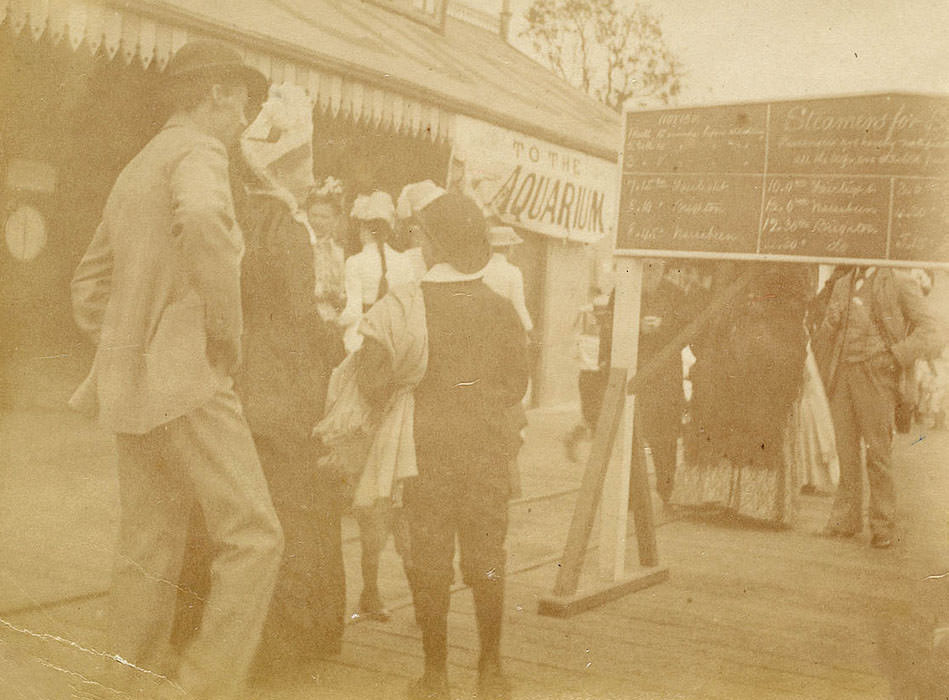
(224, 355)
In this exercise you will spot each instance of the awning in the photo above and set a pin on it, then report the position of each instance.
(353, 59)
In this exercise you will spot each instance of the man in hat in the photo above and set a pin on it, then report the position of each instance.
(158, 291)
(876, 325)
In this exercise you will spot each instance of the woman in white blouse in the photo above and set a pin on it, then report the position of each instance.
(370, 272)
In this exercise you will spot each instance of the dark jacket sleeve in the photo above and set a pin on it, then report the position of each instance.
(302, 305)
(827, 341)
(510, 371)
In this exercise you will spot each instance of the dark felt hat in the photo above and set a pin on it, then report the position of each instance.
(208, 58)
(458, 232)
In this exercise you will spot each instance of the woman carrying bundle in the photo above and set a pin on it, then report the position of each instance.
(369, 275)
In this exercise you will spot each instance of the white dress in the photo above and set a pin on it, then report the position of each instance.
(363, 272)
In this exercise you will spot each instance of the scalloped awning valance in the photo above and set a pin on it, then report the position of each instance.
(123, 33)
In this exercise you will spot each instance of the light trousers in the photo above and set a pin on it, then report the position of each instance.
(205, 457)
(862, 404)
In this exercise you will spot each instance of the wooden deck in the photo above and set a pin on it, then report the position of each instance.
(748, 612)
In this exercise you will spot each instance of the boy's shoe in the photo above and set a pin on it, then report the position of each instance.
(492, 685)
(429, 688)
(380, 615)
(371, 608)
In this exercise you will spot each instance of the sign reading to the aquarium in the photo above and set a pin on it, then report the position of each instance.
(528, 182)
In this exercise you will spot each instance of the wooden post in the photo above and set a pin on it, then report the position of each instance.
(640, 499)
(610, 453)
(591, 488)
(615, 506)
(607, 479)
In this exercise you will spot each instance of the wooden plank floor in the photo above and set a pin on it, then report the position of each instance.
(748, 612)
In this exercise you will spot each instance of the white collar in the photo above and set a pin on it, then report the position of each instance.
(373, 248)
(443, 272)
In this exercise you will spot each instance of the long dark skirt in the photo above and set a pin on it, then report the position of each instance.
(306, 615)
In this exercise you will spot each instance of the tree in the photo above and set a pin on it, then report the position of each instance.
(614, 54)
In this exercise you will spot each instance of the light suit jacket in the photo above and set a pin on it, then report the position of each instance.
(900, 312)
(158, 290)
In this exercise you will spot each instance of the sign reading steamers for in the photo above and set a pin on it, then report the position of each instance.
(527, 182)
(846, 178)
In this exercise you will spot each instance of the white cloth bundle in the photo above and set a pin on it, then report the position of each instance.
(278, 146)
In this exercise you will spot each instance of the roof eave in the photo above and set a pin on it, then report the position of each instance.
(156, 9)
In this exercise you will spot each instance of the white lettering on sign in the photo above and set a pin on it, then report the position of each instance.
(529, 196)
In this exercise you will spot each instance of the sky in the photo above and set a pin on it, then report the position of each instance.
(737, 50)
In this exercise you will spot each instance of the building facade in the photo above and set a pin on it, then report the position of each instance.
(401, 89)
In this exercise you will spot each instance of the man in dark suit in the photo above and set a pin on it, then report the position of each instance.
(158, 291)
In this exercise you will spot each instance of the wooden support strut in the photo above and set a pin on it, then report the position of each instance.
(565, 600)
(687, 334)
(568, 575)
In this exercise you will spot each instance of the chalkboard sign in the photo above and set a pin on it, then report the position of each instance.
(844, 178)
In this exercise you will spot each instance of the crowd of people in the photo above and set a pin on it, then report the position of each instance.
(271, 361)
(270, 364)
(791, 389)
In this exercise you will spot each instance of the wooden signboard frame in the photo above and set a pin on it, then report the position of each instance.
(868, 216)
(837, 180)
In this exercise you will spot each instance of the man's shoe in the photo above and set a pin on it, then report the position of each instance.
(880, 541)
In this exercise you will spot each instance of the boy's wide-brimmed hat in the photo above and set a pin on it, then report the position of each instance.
(203, 58)
(457, 230)
(416, 196)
